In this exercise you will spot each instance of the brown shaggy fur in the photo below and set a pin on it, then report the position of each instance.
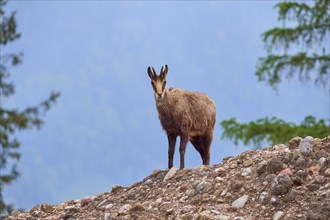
(190, 115)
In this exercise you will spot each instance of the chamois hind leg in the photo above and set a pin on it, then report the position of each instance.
(196, 141)
(207, 140)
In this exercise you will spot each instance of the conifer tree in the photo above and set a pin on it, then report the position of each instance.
(13, 120)
(299, 50)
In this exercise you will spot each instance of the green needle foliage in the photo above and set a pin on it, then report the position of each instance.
(295, 50)
(272, 130)
(13, 120)
(309, 31)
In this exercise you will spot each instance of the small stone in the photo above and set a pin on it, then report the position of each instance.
(306, 146)
(319, 179)
(282, 146)
(313, 187)
(270, 177)
(314, 216)
(263, 197)
(116, 188)
(205, 215)
(124, 208)
(294, 142)
(262, 167)
(171, 173)
(223, 217)
(35, 208)
(274, 165)
(314, 169)
(322, 161)
(287, 171)
(203, 187)
(287, 157)
(246, 171)
(46, 208)
(109, 206)
(15, 213)
(281, 184)
(138, 208)
(273, 200)
(72, 208)
(296, 180)
(219, 179)
(107, 216)
(290, 196)
(220, 170)
(203, 168)
(300, 162)
(327, 172)
(147, 182)
(85, 201)
(247, 162)
(215, 212)
(240, 202)
(60, 208)
(278, 215)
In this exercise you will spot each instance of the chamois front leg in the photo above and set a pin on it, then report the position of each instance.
(171, 147)
(183, 144)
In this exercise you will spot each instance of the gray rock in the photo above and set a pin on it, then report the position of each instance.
(306, 146)
(322, 161)
(205, 215)
(294, 142)
(297, 180)
(147, 182)
(262, 167)
(246, 171)
(290, 196)
(125, 208)
(263, 197)
(278, 215)
(203, 187)
(281, 184)
(240, 202)
(313, 187)
(107, 216)
(116, 188)
(171, 173)
(223, 217)
(270, 177)
(274, 165)
(109, 206)
(300, 162)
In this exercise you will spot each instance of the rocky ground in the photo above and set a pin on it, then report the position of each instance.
(279, 182)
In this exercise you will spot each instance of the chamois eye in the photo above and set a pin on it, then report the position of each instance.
(165, 83)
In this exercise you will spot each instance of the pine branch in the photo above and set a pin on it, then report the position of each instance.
(308, 35)
(273, 130)
(272, 68)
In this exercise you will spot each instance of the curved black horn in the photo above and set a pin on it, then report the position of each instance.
(161, 70)
(154, 71)
(166, 69)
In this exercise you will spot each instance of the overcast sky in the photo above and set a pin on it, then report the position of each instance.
(104, 129)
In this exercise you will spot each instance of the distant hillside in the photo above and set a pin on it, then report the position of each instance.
(279, 182)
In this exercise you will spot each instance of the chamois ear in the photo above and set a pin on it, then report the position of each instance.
(149, 72)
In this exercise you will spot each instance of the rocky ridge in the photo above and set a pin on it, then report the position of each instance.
(278, 182)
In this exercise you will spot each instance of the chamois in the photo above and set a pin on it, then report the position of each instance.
(190, 115)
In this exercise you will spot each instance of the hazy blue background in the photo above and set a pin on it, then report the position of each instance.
(104, 129)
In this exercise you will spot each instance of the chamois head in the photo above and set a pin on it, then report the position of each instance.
(158, 82)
